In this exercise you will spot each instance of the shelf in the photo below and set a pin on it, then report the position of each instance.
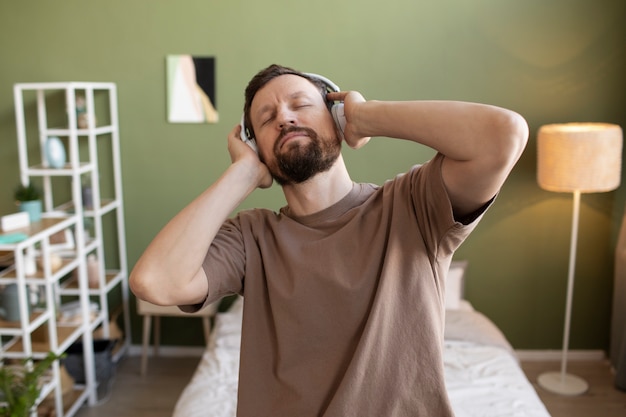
(38, 278)
(76, 85)
(14, 328)
(112, 278)
(75, 400)
(66, 171)
(66, 336)
(106, 205)
(64, 131)
(38, 231)
(72, 401)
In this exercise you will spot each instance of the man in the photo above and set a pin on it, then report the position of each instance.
(344, 287)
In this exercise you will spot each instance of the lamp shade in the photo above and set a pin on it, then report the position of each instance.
(585, 157)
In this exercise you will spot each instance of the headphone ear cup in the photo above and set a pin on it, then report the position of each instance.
(336, 109)
(244, 136)
(338, 115)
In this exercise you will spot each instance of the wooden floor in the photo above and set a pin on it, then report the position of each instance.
(155, 394)
(602, 399)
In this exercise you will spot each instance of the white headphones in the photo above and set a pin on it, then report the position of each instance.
(336, 110)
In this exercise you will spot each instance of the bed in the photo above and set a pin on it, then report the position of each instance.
(483, 375)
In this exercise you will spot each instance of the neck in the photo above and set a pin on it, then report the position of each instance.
(319, 192)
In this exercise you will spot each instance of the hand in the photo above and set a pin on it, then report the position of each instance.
(242, 153)
(351, 101)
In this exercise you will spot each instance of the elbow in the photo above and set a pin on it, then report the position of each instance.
(148, 282)
(519, 137)
(137, 284)
(142, 285)
(512, 134)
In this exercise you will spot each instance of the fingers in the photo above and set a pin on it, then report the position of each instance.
(352, 101)
(235, 132)
(241, 152)
(234, 142)
(237, 148)
(337, 96)
(343, 95)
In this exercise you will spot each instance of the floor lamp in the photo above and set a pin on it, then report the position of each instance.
(577, 158)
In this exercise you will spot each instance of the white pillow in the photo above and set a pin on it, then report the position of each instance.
(455, 285)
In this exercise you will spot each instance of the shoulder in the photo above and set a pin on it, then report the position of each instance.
(420, 178)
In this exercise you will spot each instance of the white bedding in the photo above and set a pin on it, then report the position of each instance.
(483, 376)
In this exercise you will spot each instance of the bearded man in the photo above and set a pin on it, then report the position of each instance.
(344, 287)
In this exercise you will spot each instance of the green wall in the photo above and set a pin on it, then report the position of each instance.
(552, 61)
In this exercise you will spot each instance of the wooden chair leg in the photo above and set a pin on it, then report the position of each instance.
(206, 325)
(147, 322)
(157, 334)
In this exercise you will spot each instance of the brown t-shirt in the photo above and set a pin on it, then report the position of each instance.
(344, 308)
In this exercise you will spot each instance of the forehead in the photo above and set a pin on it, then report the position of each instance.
(283, 87)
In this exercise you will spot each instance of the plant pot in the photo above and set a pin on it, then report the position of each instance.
(33, 208)
(74, 362)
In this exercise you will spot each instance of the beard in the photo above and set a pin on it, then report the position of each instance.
(300, 162)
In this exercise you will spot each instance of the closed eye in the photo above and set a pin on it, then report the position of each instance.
(300, 102)
(270, 117)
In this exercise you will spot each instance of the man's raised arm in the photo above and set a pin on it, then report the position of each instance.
(481, 143)
(170, 272)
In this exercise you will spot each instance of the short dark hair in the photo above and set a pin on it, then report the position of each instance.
(263, 77)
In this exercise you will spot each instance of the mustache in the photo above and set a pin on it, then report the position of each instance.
(301, 129)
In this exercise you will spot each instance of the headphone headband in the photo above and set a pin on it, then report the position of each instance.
(329, 84)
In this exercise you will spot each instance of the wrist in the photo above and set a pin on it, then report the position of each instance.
(249, 174)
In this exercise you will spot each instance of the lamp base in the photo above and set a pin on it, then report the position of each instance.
(563, 384)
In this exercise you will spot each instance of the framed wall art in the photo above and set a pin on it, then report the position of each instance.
(191, 89)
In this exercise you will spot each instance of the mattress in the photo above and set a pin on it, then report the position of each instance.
(483, 375)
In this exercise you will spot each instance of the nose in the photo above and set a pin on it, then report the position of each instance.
(285, 117)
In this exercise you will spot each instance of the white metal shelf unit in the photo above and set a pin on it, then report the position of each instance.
(81, 164)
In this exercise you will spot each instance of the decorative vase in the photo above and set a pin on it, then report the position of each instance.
(9, 304)
(33, 208)
(87, 195)
(93, 271)
(55, 152)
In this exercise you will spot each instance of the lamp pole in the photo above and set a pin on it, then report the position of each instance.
(570, 280)
(564, 383)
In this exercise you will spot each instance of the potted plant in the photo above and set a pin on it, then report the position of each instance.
(20, 386)
(28, 198)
